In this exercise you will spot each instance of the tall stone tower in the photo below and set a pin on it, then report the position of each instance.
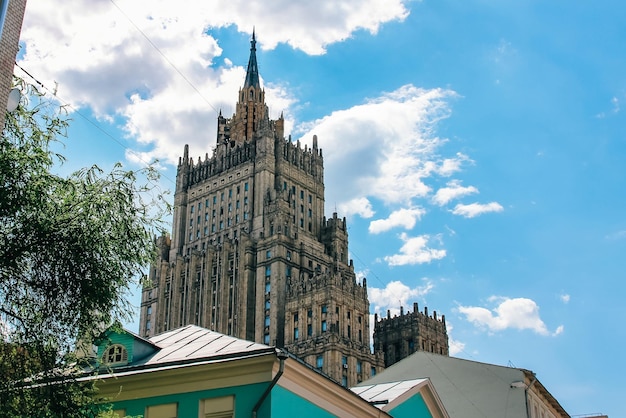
(251, 253)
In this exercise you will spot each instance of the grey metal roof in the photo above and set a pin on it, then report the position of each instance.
(382, 394)
(193, 342)
(468, 389)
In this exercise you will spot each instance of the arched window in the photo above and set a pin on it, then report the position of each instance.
(115, 354)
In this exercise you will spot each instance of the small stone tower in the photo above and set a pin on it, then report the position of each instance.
(400, 336)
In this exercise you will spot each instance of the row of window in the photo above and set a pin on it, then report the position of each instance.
(221, 198)
(293, 192)
(214, 227)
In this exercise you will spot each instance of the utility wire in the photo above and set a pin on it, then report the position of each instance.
(163, 55)
(89, 120)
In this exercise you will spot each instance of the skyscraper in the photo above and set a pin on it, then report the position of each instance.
(251, 253)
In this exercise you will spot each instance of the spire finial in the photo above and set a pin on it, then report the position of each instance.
(252, 75)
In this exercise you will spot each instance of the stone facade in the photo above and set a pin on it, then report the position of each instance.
(251, 253)
(11, 17)
(400, 336)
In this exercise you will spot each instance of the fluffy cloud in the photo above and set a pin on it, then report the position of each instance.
(393, 149)
(516, 313)
(474, 209)
(394, 295)
(564, 298)
(415, 251)
(405, 218)
(455, 346)
(359, 206)
(158, 69)
(453, 190)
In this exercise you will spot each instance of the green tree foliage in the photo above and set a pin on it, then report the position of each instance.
(71, 249)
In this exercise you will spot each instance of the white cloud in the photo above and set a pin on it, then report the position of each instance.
(359, 206)
(392, 146)
(453, 190)
(101, 58)
(564, 298)
(455, 347)
(394, 295)
(405, 218)
(475, 209)
(516, 313)
(415, 251)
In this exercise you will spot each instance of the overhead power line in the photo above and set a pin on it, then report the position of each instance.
(163, 55)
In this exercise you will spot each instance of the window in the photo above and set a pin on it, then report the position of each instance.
(192, 208)
(267, 320)
(268, 254)
(245, 186)
(309, 330)
(301, 194)
(116, 354)
(206, 203)
(268, 271)
(289, 255)
(169, 410)
(266, 339)
(325, 309)
(148, 325)
(222, 197)
(324, 326)
(230, 192)
(288, 271)
(267, 304)
(214, 200)
(372, 372)
(296, 334)
(309, 313)
(344, 360)
(359, 365)
(319, 362)
(344, 381)
(149, 310)
(295, 317)
(267, 287)
(310, 198)
(222, 407)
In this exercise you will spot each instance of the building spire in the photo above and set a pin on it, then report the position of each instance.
(252, 76)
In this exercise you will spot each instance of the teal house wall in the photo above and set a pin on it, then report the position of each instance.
(245, 398)
(414, 407)
(286, 404)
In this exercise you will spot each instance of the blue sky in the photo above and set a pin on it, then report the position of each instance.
(476, 148)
